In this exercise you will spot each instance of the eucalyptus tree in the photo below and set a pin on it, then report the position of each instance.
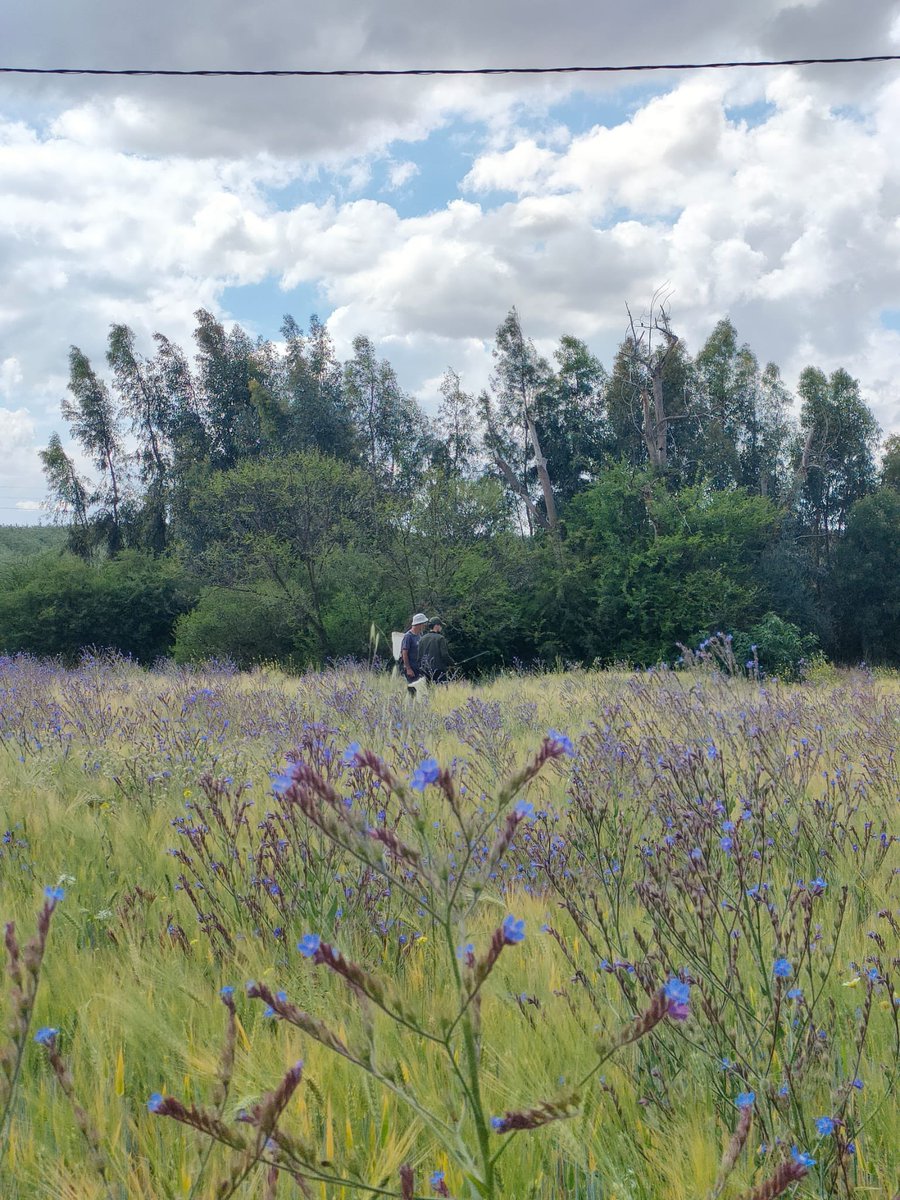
(92, 418)
(834, 457)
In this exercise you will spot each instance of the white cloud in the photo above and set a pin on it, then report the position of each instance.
(16, 428)
(141, 201)
(401, 173)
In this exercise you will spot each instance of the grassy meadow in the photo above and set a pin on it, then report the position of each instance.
(704, 1001)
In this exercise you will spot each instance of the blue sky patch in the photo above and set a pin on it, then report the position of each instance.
(260, 307)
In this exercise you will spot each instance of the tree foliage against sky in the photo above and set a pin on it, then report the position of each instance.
(569, 511)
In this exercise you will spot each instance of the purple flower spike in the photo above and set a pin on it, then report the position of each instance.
(513, 930)
(309, 944)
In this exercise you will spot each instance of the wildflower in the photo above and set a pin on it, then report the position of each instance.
(795, 994)
(678, 995)
(561, 740)
(858, 1084)
(155, 1103)
(745, 1099)
(727, 844)
(466, 950)
(524, 809)
(309, 944)
(825, 1125)
(802, 1158)
(513, 930)
(426, 772)
(348, 758)
(283, 780)
(817, 886)
(226, 992)
(54, 894)
(782, 969)
(497, 1123)
(46, 1035)
(784, 1090)
(696, 854)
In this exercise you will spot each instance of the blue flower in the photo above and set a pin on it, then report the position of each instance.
(309, 944)
(54, 894)
(283, 780)
(436, 1178)
(348, 758)
(524, 809)
(784, 1090)
(426, 772)
(46, 1035)
(562, 740)
(677, 992)
(726, 843)
(825, 1125)
(745, 1099)
(497, 1123)
(226, 992)
(513, 930)
(795, 994)
(155, 1103)
(782, 969)
(801, 1157)
(858, 1084)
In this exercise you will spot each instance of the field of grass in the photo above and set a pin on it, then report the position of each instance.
(704, 1002)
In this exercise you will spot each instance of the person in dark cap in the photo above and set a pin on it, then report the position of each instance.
(434, 653)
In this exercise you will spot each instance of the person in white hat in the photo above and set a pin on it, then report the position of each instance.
(409, 648)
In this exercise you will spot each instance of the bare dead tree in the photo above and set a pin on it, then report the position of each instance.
(651, 344)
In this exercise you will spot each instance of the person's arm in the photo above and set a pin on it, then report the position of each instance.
(404, 654)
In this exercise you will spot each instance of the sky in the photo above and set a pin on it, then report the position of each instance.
(418, 211)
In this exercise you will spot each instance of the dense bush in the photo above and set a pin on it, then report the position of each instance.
(55, 605)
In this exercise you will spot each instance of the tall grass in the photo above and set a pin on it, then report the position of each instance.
(672, 845)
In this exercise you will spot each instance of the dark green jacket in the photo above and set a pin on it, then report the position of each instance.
(434, 653)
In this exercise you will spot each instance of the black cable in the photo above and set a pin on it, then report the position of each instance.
(407, 71)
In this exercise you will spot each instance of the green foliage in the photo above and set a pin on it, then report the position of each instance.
(58, 605)
(655, 564)
(24, 541)
(866, 580)
(243, 627)
(675, 490)
(779, 647)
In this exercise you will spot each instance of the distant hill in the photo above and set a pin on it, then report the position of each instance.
(24, 541)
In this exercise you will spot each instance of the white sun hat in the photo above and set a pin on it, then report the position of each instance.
(419, 619)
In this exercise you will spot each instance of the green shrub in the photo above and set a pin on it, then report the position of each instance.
(245, 627)
(57, 605)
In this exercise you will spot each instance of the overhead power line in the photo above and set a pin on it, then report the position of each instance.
(350, 72)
